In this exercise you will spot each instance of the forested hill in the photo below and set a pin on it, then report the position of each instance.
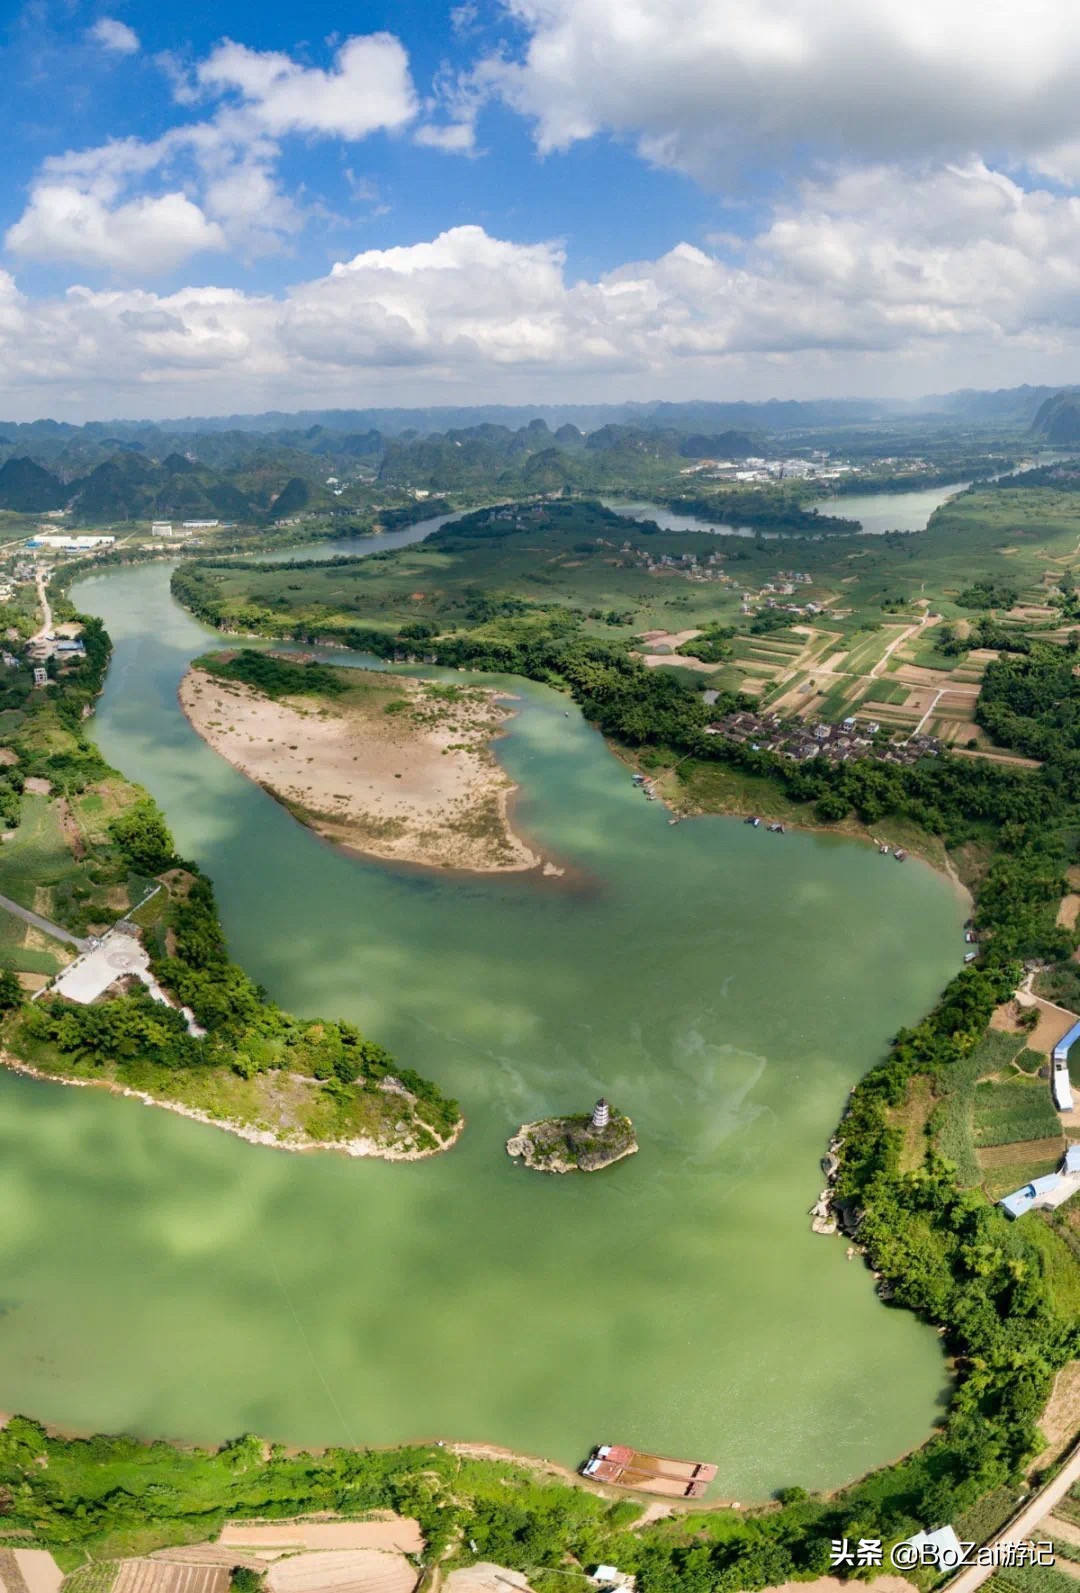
(130, 486)
(1058, 419)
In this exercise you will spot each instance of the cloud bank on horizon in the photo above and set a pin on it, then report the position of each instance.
(552, 199)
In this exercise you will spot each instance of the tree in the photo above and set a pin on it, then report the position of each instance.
(143, 836)
(832, 807)
(11, 992)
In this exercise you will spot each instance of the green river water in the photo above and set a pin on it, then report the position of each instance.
(723, 986)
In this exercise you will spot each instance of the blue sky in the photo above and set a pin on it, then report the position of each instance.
(239, 206)
(70, 93)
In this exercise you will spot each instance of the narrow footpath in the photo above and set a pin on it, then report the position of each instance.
(918, 728)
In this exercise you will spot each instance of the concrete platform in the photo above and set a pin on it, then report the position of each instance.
(91, 974)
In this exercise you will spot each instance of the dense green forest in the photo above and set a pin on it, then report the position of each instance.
(1030, 701)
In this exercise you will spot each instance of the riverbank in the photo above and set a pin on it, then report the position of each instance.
(697, 789)
(265, 1094)
(392, 767)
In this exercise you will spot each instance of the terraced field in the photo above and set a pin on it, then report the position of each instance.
(163, 1576)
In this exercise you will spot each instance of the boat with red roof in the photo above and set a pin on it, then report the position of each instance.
(634, 1468)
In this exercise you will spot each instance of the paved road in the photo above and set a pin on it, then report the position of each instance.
(1023, 1526)
(43, 924)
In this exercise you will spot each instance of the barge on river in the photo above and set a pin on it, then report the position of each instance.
(631, 1468)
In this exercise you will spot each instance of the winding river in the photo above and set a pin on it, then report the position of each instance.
(722, 985)
(876, 512)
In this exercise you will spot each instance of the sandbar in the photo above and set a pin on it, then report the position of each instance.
(394, 767)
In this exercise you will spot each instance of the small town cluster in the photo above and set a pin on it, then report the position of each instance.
(795, 739)
(818, 466)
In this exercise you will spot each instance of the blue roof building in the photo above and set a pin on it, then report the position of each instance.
(1061, 1050)
(1022, 1200)
(1071, 1164)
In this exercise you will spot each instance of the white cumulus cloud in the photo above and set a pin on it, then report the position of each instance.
(144, 206)
(710, 88)
(453, 138)
(877, 280)
(114, 35)
(368, 87)
(144, 236)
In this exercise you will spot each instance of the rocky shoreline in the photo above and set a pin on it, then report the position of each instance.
(364, 1146)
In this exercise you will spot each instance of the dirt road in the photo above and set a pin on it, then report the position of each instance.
(1024, 1525)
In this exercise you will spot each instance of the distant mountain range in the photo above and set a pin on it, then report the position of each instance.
(129, 486)
(272, 465)
(268, 476)
(360, 432)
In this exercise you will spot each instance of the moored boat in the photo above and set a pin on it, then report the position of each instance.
(632, 1468)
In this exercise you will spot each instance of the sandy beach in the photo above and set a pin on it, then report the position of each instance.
(396, 768)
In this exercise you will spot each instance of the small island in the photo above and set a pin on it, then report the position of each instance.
(380, 764)
(582, 1144)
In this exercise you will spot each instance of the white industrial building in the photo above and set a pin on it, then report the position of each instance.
(69, 544)
(1060, 1083)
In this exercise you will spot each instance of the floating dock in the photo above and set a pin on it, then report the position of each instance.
(632, 1468)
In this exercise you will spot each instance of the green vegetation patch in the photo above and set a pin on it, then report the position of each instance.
(29, 959)
(98, 1577)
(868, 651)
(1058, 1264)
(1005, 1177)
(987, 1517)
(1012, 1110)
(927, 655)
(1030, 1579)
(1061, 985)
(956, 1085)
(888, 691)
(36, 858)
(272, 675)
